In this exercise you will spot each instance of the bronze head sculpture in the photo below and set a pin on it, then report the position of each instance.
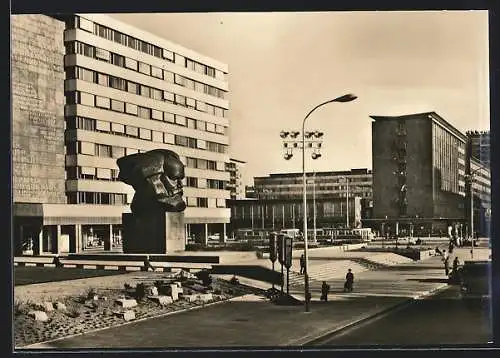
(156, 177)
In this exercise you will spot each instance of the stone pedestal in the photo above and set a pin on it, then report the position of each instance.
(159, 233)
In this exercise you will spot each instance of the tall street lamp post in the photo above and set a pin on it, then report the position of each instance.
(315, 155)
(313, 182)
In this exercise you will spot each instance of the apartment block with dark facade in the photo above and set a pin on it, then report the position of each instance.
(235, 185)
(88, 89)
(419, 175)
(278, 200)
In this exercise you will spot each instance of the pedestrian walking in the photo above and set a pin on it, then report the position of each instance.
(325, 289)
(302, 264)
(456, 263)
(447, 265)
(349, 281)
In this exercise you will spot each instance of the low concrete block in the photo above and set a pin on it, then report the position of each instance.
(205, 297)
(126, 303)
(60, 306)
(39, 316)
(162, 300)
(128, 315)
(48, 306)
(190, 298)
(152, 291)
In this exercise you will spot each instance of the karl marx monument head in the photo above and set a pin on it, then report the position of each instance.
(156, 177)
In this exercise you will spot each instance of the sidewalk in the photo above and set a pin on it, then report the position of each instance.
(254, 321)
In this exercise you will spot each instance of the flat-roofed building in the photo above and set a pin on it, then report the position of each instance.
(114, 90)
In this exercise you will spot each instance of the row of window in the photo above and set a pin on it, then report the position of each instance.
(205, 183)
(205, 202)
(85, 197)
(96, 125)
(97, 53)
(112, 151)
(143, 46)
(122, 84)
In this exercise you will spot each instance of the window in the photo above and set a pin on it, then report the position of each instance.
(201, 106)
(199, 87)
(192, 182)
(219, 112)
(156, 94)
(168, 138)
(198, 67)
(104, 173)
(84, 49)
(181, 140)
(210, 127)
(102, 126)
(85, 24)
(131, 108)
(191, 163)
(157, 137)
(118, 83)
(158, 115)
(132, 131)
(129, 151)
(210, 109)
(221, 203)
(117, 128)
(179, 80)
(144, 68)
(102, 79)
(191, 201)
(201, 125)
(168, 96)
(202, 183)
(202, 164)
(156, 72)
(168, 55)
(145, 133)
(103, 150)
(120, 38)
(145, 91)
(118, 152)
(86, 99)
(169, 117)
(102, 102)
(212, 202)
(181, 100)
(192, 142)
(213, 165)
(179, 60)
(117, 106)
(189, 83)
(102, 54)
(202, 144)
(190, 64)
(131, 63)
(133, 87)
(117, 60)
(180, 120)
(84, 74)
(168, 76)
(144, 112)
(191, 102)
(88, 124)
(210, 71)
(219, 129)
(202, 202)
(86, 148)
(191, 123)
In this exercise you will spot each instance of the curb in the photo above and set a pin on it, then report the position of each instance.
(308, 341)
(35, 345)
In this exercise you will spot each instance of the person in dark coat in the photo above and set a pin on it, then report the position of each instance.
(447, 265)
(302, 264)
(349, 281)
(325, 289)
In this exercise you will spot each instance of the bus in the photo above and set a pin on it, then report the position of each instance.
(293, 233)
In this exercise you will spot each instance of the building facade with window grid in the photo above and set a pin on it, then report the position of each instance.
(128, 91)
(279, 198)
(419, 167)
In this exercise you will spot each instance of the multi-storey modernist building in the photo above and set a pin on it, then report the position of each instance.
(419, 167)
(126, 91)
(279, 200)
(479, 142)
(235, 184)
(481, 197)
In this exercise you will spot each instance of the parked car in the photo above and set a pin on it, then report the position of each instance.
(475, 278)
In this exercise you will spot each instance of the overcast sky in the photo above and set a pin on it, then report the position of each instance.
(281, 65)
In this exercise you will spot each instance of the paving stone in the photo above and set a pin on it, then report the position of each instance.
(162, 300)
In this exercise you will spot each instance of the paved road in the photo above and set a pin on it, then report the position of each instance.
(442, 319)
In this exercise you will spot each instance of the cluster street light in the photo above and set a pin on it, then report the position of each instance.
(313, 143)
(470, 178)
